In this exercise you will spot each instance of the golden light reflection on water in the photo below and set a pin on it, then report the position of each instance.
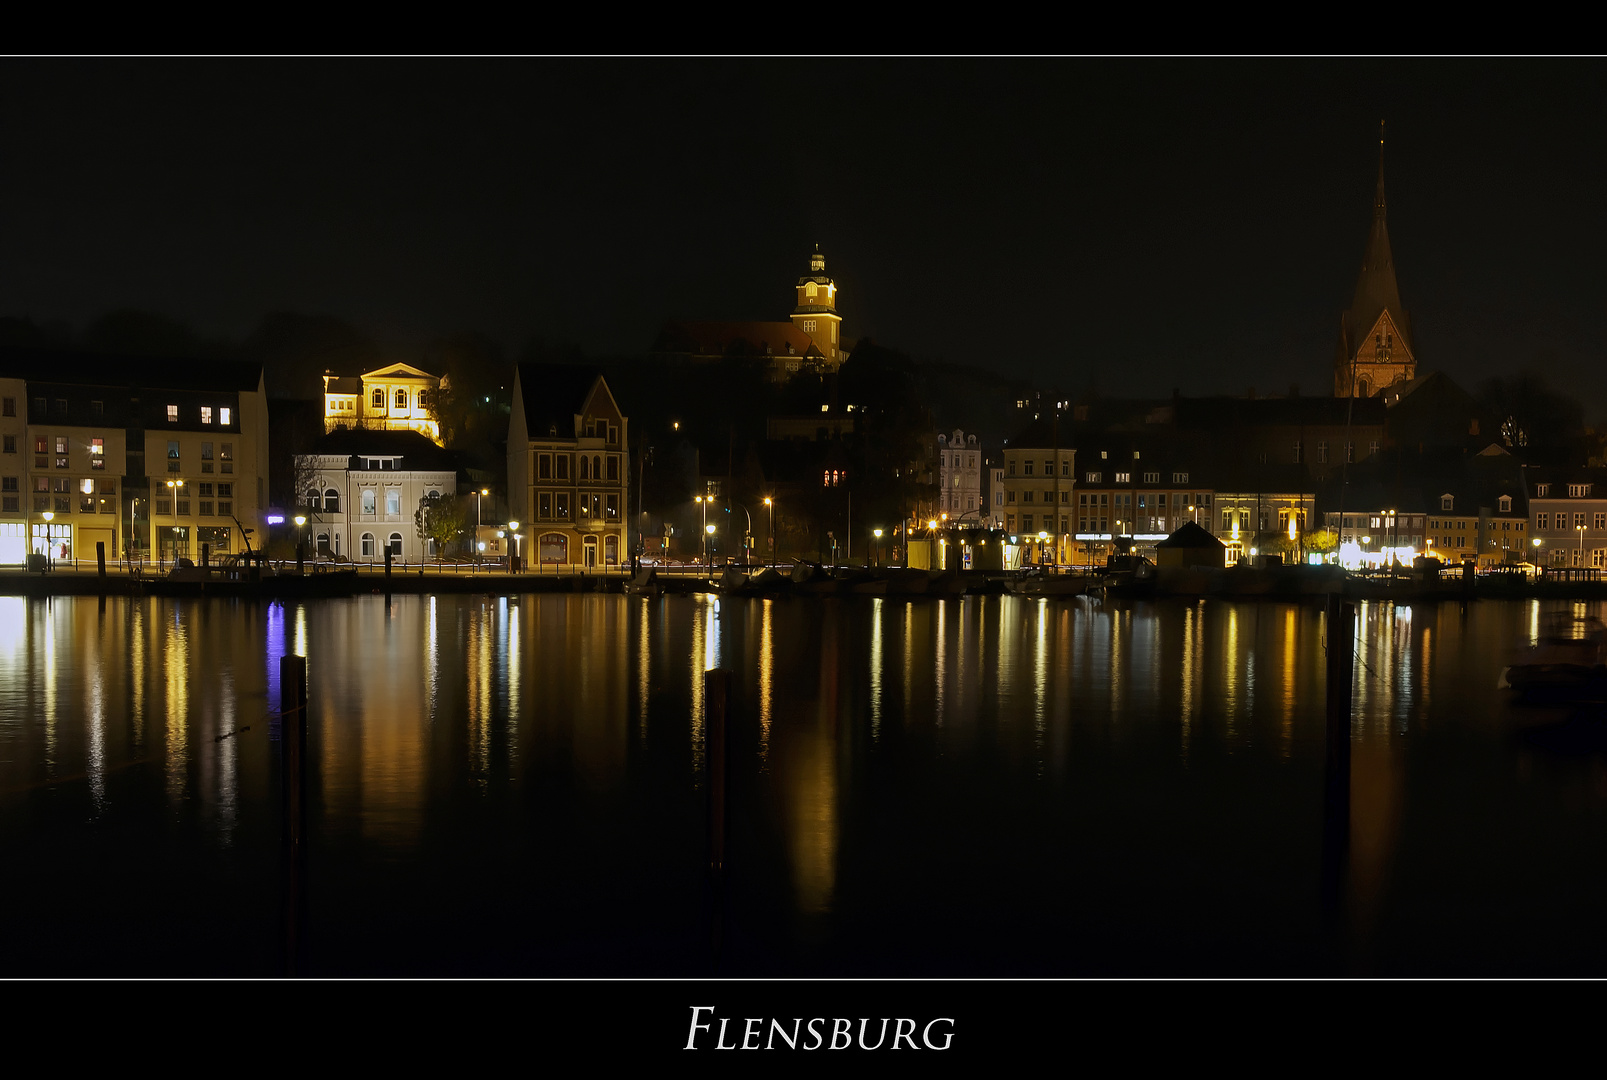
(877, 612)
(1191, 673)
(48, 643)
(176, 704)
(939, 665)
(767, 661)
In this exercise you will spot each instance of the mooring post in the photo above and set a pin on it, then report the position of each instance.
(716, 702)
(1341, 636)
(293, 791)
(100, 561)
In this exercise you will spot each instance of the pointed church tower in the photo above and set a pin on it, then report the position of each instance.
(816, 313)
(1375, 335)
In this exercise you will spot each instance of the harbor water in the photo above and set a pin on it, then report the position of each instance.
(987, 786)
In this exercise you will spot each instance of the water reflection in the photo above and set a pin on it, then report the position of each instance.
(1019, 734)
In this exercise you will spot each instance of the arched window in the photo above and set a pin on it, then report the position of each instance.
(611, 550)
(811, 290)
(332, 501)
(585, 467)
(554, 548)
(432, 495)
(323, 544)
(312, 498)
(379, 398)
(370, 501)
(396, 545)
(401, 398)
(1364, 388)
(590, 549)
(613, 468)
(597, 467)
(368, 545)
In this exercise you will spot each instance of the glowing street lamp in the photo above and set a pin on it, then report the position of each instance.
(708, 531)
(771, 504)
(513, 531)
(174, 487)
(876, 558)
(1580, 558)
(49, 516)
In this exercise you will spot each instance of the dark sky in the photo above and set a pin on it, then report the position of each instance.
(1149, 224)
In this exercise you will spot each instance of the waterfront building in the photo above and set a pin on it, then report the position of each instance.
(960, 479)
(143, 456)
(1039, 489)
(1134, 490)
(396, 397)
(568, 470)
(13, 471)
(995, 494)
(1568, 515)
(1374, 350)
(362, 491)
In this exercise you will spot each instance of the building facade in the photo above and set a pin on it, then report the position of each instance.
(147, 458)
(396, 397)
(568, 469)
(1039, 491)
(959, 479)
(362, 491)
(1568, 515)
(816, 313)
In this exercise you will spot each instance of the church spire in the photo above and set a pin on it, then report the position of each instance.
(1378, 199)
(1375, 347)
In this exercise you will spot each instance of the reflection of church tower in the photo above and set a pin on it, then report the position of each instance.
(816, 313)
(1375, 336)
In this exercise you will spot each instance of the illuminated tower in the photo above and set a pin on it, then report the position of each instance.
(816, 313)
(1375, 335)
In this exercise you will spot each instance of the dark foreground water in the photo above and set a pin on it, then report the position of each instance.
(994, 786)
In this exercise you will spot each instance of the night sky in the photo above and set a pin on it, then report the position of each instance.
(1145, 225)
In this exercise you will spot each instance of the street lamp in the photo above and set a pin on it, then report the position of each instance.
(1579, 560)
(49, 516)
(1194, 510)
(173, 495)
(513, 531)
(301, 519)
(771, 504)
(1043, 538)
(708, 531)
(877, 533)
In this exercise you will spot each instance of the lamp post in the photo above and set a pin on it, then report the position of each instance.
(768, 501)
(1579, 560)
(174, 487)
(301, 520)
(1043, 538)
(708, 543)
(876, 552)
(49, 516)
(513, 531)
(1194, 511)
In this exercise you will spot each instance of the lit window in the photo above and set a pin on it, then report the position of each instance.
(172, 414)
(206, 414)
(223, 415)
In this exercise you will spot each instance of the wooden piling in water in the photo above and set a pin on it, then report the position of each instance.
(716, 702)
(293, 793)
(1341, 637)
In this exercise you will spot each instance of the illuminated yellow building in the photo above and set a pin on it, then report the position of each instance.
(816, 313)
(396, 397)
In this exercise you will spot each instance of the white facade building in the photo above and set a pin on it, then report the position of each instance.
(361, 492)
(959, 478)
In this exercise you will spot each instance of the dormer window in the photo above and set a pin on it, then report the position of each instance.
(1541, 490)
(1446, 502)
(1506, 504)
(1578, 491)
